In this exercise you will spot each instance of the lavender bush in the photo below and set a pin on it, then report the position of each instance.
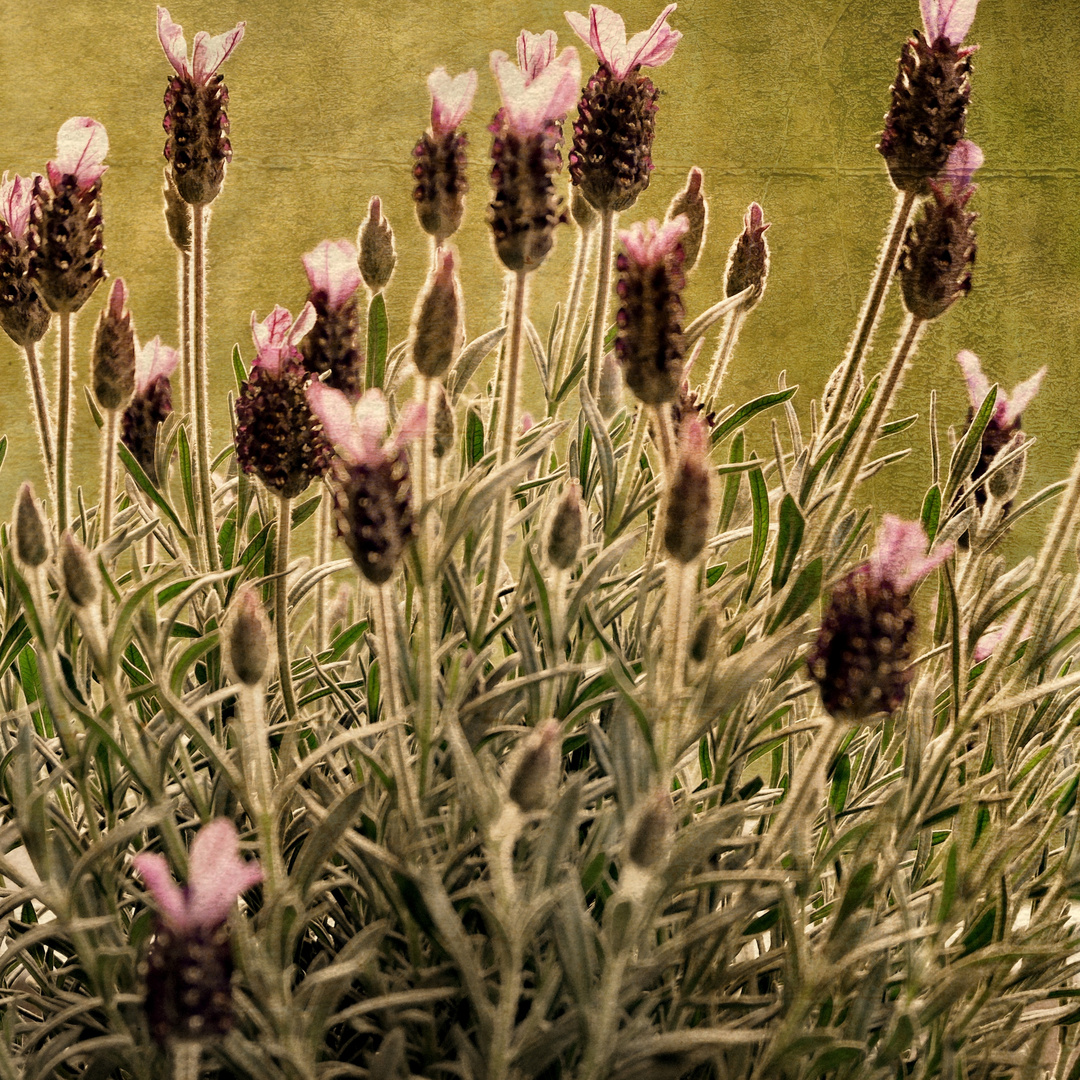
(626, 742)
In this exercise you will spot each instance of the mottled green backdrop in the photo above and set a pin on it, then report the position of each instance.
(776, 102)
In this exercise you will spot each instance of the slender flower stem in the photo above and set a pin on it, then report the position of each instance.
(260, 766)
(323, 532)
(63, 425)
(281, 606)
(665, 437)
(733, 324)
(423, 469)
(186, 1057)
(508, 427)
(41, 412)
(572, 313)
(676, 632)
(600, 309)
(201, 389)
(871, 310)
(406, 784)
(108, 474)
(184, 270)
(868, 433)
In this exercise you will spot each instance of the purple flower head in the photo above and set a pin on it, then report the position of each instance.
(1007, 409)
(16, 198)
(964, 159)
(277, 336)
(948, 19)
(81, 146)
(544, 91)
(451, 99)
(208, 54)
(333, 270)
(650, 244)
(359, 430)
(900, 558)
(216, 877)
(153, 361)
(605, 33)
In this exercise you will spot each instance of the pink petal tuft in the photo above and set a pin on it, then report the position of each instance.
(451, 99)
(607, 38)
(152, 361)
(332, 269)
(1022, 396)
(333, 408)
(978, 385)
(899, 559)
(81, 146)
(370, 415)
(154, 870)
(535, 52)
(302, 327)
(16, 199)
(217, 874)
(949, 19)
(171, 36)
(211, 52)
(654, 46)
(271, 338)
(411, 423)
(965, 158)
(648, 244)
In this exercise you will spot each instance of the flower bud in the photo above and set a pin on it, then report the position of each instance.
(31, 532)
(703, 638)
(375, 242)
(748, 260)
(832, 388)
(437, 333)
(567, 527)
(1006, 481)
(442, 435)
(249, 639)
(650, 837)
(691, 203)
(609, 396)
(177, 215)
(80, 575)
(688, 511)
(537, 764)
(114, 351)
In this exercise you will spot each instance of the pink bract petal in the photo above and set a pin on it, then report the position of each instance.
(370, 416)
(411, 423)
(154, 870)
(334, 409)
(899, 559)
(217, 874)
(171, 36)
(604, 31)
(1022, 396)
(332, 269)
(16, 199)
(152, 361)
(535, 52)
(304, 322)
(529, 106)
(654, 46)
(694, 439)
(965, 158)
(276, 336)
(949, 19)
(978, 385)
(118, 298)
(210, 53)
(81, 146)
(648, 244)
(451, 99)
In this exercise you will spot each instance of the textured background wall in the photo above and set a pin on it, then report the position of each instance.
(777, 102)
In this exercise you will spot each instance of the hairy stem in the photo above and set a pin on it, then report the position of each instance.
(184, 270)
(41, 413)
(63, 425)
(600, 309)
(871, 310)
(281, 606)
(323, 534)
(733, 323)
(572, 312)
(260, 766)
(186, 1057)
(108, 474)
(630, 470)
(393, 710)
(427, 720)
(201, 389)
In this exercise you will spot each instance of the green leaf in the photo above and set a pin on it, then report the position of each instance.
(788, 541)
(894, 427)
(759, 496)
(713, 574)
(95, 412)
(931, 512)
(143, 481)
(187, 476)
(605, 452)
(378, 338)
(856, 892)
(802, 594)
(840, 782)
(969, 448)
(240, 373)
(745, 412)
(474, 438)
(470, 358)
(301, 513)
(731, 487)
(948, 885)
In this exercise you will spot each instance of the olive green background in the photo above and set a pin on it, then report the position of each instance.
(781, 103)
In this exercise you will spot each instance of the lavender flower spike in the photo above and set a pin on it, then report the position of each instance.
(23, 315)
(948, 19)
(333, 273)
(860, 658)
(151, 403)
(189, 963)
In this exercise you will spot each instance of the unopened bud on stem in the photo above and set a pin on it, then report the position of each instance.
(114, 351)
(442, 437)
(650, 837)
(31, 544)
(80, 575)
(535, 774)
(748, 260)
(177, 215)
(438, 335)
(567, 527)
(691, 203)
(375, 242)
(249, 639)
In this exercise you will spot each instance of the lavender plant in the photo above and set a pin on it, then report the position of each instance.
(626, 743)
